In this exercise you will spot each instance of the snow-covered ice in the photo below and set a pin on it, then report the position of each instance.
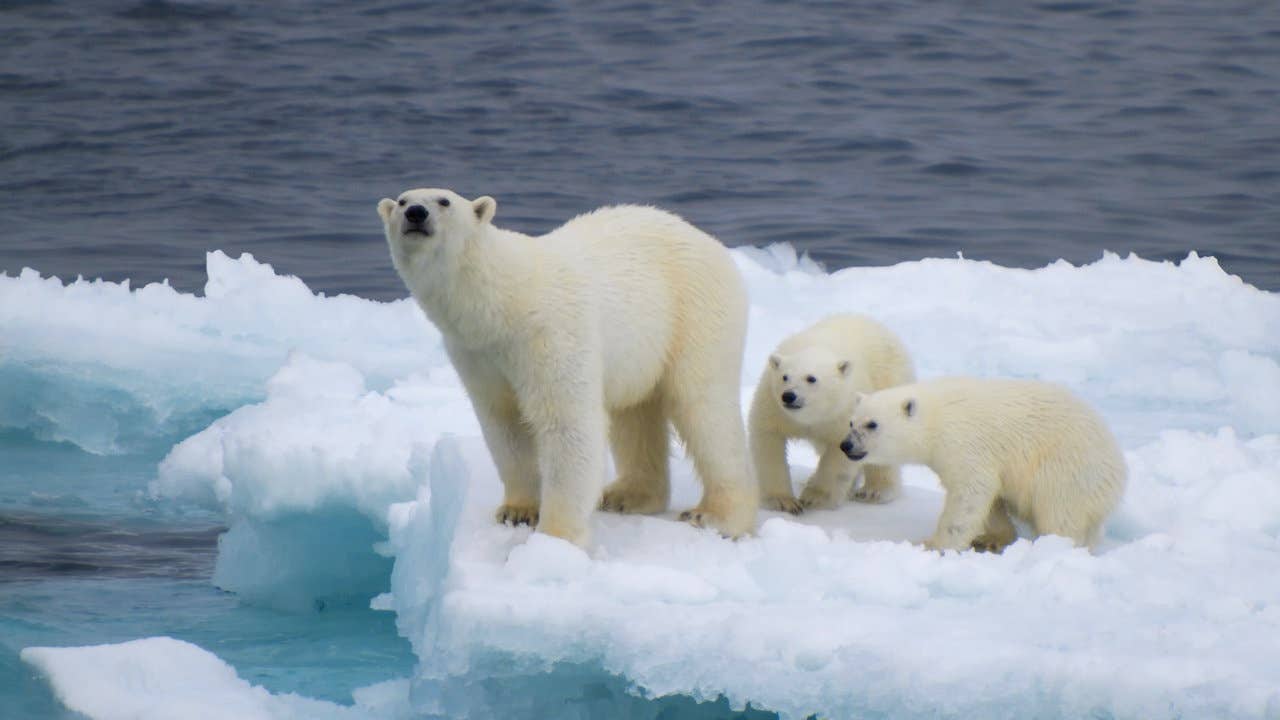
(161, 677)
(350, 467)
(110, 368)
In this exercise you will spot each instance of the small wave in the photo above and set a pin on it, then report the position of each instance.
(166, 10)
(34, 546)
(952, 169)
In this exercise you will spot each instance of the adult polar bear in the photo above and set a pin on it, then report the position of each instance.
(615, 322)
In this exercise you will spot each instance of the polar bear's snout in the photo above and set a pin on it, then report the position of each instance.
(415, 220)
(791, 401)
(415, 214)
(853, 447)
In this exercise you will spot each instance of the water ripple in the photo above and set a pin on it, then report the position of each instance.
(931, 115)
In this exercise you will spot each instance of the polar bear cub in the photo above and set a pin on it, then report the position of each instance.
(618, 322)
(998, 446)
(807, 391)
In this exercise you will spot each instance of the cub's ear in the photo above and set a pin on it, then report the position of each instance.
(909, 407)
(775, 362)
(385, 206)
(857, 399)
(844, 367)
(485, 208)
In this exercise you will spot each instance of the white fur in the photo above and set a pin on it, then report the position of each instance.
(1019, 446)
(845, 355)
(616, 322)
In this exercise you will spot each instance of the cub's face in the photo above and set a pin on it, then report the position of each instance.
(809, 386)
(433, 221)
(884, 429)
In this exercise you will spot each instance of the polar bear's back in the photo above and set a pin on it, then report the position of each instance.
(1015, 410)
(616, 234)
(662, 289)
(644, 253)
(871, 346)
(1048, 442)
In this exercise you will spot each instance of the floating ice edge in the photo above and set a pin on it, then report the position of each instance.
(358, 427)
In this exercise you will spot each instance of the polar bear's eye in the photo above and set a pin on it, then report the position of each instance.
(871, 425)
(785, 378)
(401, 202)
(444, 202)
(811, 379)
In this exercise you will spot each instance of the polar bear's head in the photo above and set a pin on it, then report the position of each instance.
(432, 223)
(887, 428)
(810, 385)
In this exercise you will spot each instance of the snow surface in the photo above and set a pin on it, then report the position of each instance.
(353, 463)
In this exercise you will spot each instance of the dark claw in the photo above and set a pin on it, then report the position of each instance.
(515, 518)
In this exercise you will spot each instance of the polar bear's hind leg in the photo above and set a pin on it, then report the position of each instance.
(711, 427)
(641, 445)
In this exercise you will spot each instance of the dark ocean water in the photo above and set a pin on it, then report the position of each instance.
(137, 134)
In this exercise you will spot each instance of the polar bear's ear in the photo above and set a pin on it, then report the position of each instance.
(485, 208)
(909, 407)
(775, 362)
(857, 399)
(385, 206)
(843, 367)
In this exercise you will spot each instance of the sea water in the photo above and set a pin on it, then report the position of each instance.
(864, 133)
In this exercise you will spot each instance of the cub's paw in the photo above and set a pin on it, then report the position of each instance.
(875, 495)
(632, 499)
(782, 503)
(735, 525)
(943, 547)
(817, 498)
(512, 514)
(695, 517)
(990, 543)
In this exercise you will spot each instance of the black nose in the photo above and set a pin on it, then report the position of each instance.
(788, 397)
(846, 447)
(415, 214)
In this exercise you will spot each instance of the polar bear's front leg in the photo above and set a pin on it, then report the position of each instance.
(571, 459)
(769, 454)
(505, 434)
(830, 482)
(999, 532)
(516, 456)
(514, 453)
(964, 513)
(564, 407)
(880, 484)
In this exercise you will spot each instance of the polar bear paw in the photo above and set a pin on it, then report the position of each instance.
(783, 503)
(991, 542)
(513, 514)
(817, 497)
(736, 523)
(875, 495)
(632, 498)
